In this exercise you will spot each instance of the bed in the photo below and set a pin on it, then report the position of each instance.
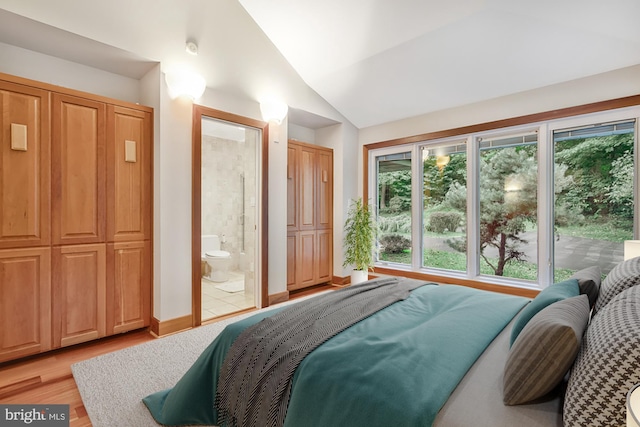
(410, 353)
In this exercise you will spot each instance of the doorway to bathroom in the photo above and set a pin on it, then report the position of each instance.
(229, 224)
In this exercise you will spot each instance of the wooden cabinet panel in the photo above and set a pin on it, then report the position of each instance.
(307, 185)
(128, 284)
(307, 260)
(78, 170)
(79, 293)
(25, 302)
(292, 187)
(325, 256)
(128, 174)
(292, 255)
(324, 202)
(24, 166)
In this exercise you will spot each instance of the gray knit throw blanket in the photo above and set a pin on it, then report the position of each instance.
(255, 379)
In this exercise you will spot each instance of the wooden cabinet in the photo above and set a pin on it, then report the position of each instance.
(78, 170)
(25, 302)
(128, 284)
(24, 166)
(75, 217)
(128, 174)
(309, 215)
(79, 293)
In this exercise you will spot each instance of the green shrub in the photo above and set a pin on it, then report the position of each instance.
(439, 222)
(399, 204)
(395, 224)
(394, 243)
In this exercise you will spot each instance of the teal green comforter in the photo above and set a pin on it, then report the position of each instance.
(395, 368)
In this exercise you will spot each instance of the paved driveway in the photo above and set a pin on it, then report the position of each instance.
(574, 253)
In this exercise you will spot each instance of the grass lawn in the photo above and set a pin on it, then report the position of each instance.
(458, 262)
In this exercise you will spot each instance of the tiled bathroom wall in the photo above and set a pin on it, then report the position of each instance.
(229, 196)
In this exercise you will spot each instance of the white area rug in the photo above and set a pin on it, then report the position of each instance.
(231, 287)
(112, 385)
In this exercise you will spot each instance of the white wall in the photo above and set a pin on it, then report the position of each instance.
(150, 89)
(59, 72)
(278, 207)
(343, 139)
(301, 133)
(173, 285)
(601, 87)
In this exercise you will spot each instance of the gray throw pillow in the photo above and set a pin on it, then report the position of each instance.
(556, 292)
(607, 366)
(589, 282)
(623, 276)
(545, 350)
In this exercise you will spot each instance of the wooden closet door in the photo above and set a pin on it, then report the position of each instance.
(78, 170)
(128, 174)
(24, 166)
(79, 293)
(309, 215)
(25, 302)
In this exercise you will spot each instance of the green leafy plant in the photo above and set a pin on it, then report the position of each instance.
(359, 236)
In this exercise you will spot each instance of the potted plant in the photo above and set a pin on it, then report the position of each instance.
(359, 239)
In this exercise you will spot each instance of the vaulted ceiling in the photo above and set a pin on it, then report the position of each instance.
(374, 61)
(378, 61)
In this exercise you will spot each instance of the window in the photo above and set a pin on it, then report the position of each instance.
(528, 205)
(393, 179)
(508, 187)
(444, 206)
(594, 203)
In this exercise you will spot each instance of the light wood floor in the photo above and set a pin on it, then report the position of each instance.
(47, 378)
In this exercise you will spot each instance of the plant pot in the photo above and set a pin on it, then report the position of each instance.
(359, 276)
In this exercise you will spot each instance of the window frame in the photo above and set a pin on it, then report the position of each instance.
(545, 124)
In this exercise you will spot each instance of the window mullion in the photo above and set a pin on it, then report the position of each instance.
(473, 207)
(546, 201)
(417, 248)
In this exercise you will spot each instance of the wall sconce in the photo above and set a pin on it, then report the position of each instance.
(631, 249)
(185, 83)
(273, 110)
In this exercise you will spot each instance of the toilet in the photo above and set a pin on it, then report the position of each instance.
(217, 260)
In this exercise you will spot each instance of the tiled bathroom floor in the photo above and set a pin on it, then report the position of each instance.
(216, 302)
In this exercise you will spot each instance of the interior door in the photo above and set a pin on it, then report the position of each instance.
(229, 202)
